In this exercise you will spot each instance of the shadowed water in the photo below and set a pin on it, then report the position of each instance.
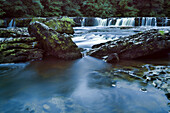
(78, 86)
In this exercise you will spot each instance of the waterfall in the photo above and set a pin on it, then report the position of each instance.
(83, 21)
(100, 22)
(125, 22)
(11, 23)
(110, 21)
(118, 22)
(143, 21)
(128, 21)
(149, 21)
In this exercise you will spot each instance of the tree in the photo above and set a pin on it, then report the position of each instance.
(52, 8)
(126, 8)
(2, 12)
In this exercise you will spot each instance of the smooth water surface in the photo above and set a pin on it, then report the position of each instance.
(73, 86)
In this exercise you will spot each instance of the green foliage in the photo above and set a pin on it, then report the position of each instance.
(88, 8)
(52, 8)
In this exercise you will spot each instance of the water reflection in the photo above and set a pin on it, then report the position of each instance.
(85, 85)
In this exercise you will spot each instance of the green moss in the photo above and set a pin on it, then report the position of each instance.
(68, 20)
(161, 32)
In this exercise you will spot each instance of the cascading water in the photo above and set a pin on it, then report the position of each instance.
(125, 22)
(111, 22)
(118, 22)
(100, 22)
(83, 21)
(128, 21)
(11, 24)
(149, 21)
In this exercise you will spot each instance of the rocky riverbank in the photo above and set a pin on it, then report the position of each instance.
(42, 40)
(149, 44)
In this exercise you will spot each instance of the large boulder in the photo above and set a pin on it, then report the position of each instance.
(54, 43)
(150, 43)
(21, 49)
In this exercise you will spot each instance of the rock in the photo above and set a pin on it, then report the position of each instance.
(149, 44)
(54, 43)
(39, 19)
(46, 107)
(3, 23)
(61, 26)
(14, 32)
(19, 50)
(22, 22)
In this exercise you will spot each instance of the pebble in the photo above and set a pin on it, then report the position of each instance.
(46, 107)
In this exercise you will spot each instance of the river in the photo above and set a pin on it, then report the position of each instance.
(86, 85)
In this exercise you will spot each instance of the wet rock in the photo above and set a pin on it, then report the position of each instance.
(54, 43)
(143, 89)
(113, 57)
(14, 32)
(149, 44)
(19, 50)
(46, 107)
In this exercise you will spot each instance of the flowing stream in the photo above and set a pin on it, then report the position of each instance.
(86, 85)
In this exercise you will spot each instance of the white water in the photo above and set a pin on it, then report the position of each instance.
(118, 22)
(83, 21)
(125, 22)
(100, 22)
(149, 21)
(122, 22)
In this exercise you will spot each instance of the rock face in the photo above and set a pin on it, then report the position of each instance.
(54, 43)
(14, 32)
(19, 50)
(132, 47)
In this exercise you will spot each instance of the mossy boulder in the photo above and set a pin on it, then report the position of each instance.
(54, 43)
(61, 25)
(149, 44)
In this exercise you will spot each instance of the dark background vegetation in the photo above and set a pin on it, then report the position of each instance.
(86, 8)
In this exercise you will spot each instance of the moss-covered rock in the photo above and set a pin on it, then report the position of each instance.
(22, 49)
(22, 22)
(149, 44)
(14, 32)
(53, 43)
(3, 23)
(61, 25)
(15, 55)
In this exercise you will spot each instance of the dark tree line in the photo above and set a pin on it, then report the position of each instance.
(86, 8)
